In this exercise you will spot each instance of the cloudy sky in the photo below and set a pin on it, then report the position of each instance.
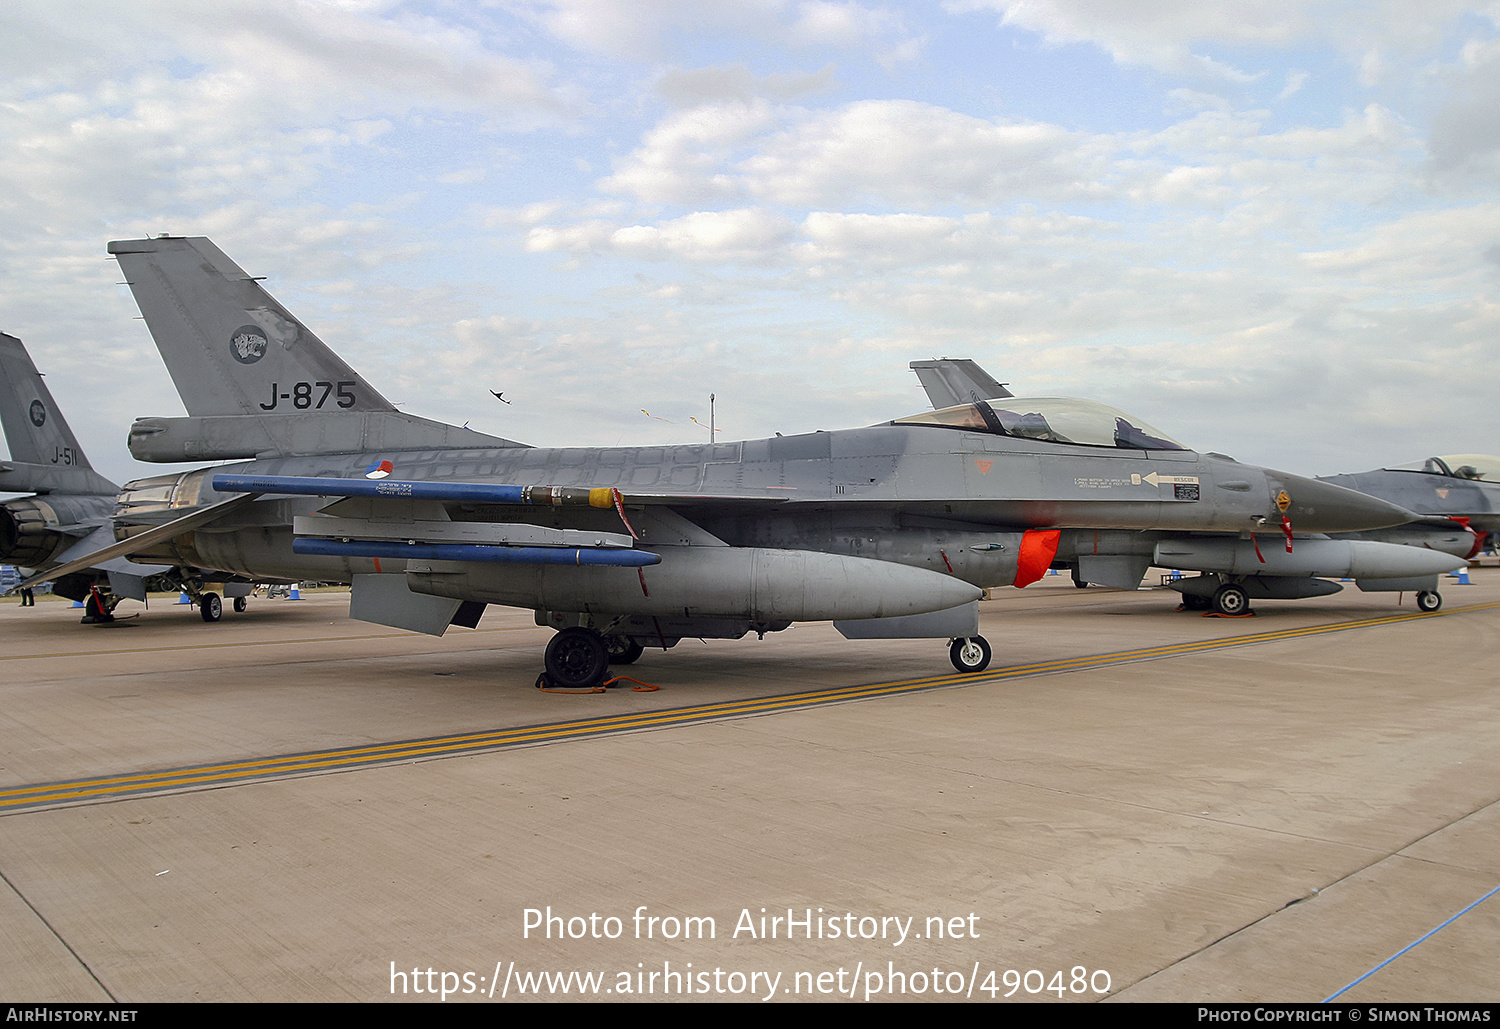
(1271, 229)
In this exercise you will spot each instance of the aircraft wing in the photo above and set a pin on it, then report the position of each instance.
(97, 539)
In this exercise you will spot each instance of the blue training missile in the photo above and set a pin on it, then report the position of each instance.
(467, 492)
(475, 552)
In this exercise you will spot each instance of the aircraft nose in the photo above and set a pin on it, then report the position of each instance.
(1314, 506)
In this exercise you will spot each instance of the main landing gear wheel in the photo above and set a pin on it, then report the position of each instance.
(1231, 600)
(210, 607)
(239, 605)
(971, 654)
(623, 650)
(1427, 600)
(577, 658)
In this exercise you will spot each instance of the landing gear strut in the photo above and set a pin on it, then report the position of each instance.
(623, 650)
(96, 610)
(970, 654)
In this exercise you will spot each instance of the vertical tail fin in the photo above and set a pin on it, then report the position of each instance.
(230, 347)
(952, 381)
(45, 455)
(256, 382)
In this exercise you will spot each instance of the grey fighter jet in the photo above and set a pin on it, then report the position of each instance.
(1236, 571)
(1458, 498)
(70, 513)
(888, 531)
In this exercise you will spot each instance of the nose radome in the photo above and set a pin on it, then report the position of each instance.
(1313, 506)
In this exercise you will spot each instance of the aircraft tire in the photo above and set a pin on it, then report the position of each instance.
(577, 658)
(1230, 599)
(210, 607)
(623, 650)
(1429, 600)
(970, 654)
(239, 605)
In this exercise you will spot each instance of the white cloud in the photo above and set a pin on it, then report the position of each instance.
(645, 30)
(891, 151)
(908, 153)
(1172, 35)
(1465, 142)
(736, 83)
(1158, 34)
(714, 237)
(684, 159)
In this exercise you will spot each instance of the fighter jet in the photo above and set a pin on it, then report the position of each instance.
(1458, 497)
(889, 531)
(69, 513)
(1236, 571)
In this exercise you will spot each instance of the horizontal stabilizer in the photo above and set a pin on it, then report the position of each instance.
(142, 541)
(98, 539)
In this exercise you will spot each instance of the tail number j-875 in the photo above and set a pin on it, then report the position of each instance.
(312, 395)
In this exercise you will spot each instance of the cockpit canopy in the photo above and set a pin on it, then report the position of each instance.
(1053, 419)
(1475, 467)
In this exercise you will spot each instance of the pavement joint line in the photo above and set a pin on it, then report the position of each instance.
(1345, 877)
(239, 643)
(40, 796)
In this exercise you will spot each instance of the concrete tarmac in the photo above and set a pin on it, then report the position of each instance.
(1265, 821)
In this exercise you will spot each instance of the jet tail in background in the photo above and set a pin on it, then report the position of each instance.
(953, 381)
(256, 382)
(45, 455)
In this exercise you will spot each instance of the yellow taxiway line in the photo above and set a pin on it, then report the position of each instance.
(96, 790)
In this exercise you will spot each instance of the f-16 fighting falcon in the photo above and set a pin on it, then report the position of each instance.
(1237, 571)
(70, 514)
(1457, 497)
(892, 530)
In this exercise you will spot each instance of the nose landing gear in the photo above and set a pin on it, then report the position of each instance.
(970, 654)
